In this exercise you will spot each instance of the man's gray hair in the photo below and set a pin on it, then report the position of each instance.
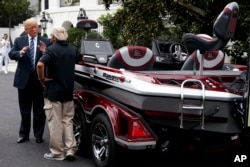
(60, 33)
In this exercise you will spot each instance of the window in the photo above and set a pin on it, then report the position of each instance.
(46, 4)
(115, 2)
(66, 3)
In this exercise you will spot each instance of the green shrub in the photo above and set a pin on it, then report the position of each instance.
(112, 31)
(77, 34)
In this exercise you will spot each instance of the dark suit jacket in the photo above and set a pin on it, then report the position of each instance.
(23, 63)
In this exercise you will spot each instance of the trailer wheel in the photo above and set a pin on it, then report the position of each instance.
(80, 130)
(103, 145)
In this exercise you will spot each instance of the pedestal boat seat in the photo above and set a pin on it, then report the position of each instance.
(223, 28)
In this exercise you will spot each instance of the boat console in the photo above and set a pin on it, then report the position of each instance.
(169, 55)
(94, 50)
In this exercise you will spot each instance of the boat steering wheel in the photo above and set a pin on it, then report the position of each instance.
(178, 51)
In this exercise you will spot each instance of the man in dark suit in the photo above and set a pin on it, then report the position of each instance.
(30, 91)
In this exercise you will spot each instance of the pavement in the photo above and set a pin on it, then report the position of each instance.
(28, 154)
(12, 66)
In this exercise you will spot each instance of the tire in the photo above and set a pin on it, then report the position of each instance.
(103, 146)
(80, 130)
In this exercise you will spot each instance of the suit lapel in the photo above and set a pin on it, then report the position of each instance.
(26, 43)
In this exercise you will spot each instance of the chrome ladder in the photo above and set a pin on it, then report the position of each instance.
(200, 107)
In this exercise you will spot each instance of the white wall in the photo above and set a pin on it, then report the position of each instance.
(3, 31)
(68, 13)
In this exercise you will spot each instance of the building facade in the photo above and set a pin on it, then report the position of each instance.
(64, 13)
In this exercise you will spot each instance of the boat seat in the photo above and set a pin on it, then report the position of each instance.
(223, 28)
(133, 58)
(213, 60)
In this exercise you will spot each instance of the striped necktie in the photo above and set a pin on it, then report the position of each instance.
(32, 68)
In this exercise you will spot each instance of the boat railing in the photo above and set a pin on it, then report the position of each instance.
(186, 106)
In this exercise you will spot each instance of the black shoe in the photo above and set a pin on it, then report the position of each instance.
(22, 139)
(39, 140)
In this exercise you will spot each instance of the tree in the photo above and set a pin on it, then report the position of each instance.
(186, 15)
(76, 35)
(111, 30)
(14, 12)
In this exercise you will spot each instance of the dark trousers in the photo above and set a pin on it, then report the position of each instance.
(31, 98)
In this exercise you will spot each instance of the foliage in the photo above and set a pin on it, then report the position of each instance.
(45, 35)
(13, 12)
(199, 16)
(111, 31)
(234, 50)
(140, 21)
(75, 35)
(93, 34)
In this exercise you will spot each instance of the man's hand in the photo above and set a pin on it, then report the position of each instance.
(42, 46)
(44, 80)
(24, 50)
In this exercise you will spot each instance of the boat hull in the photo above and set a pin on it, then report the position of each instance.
(165, 109)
